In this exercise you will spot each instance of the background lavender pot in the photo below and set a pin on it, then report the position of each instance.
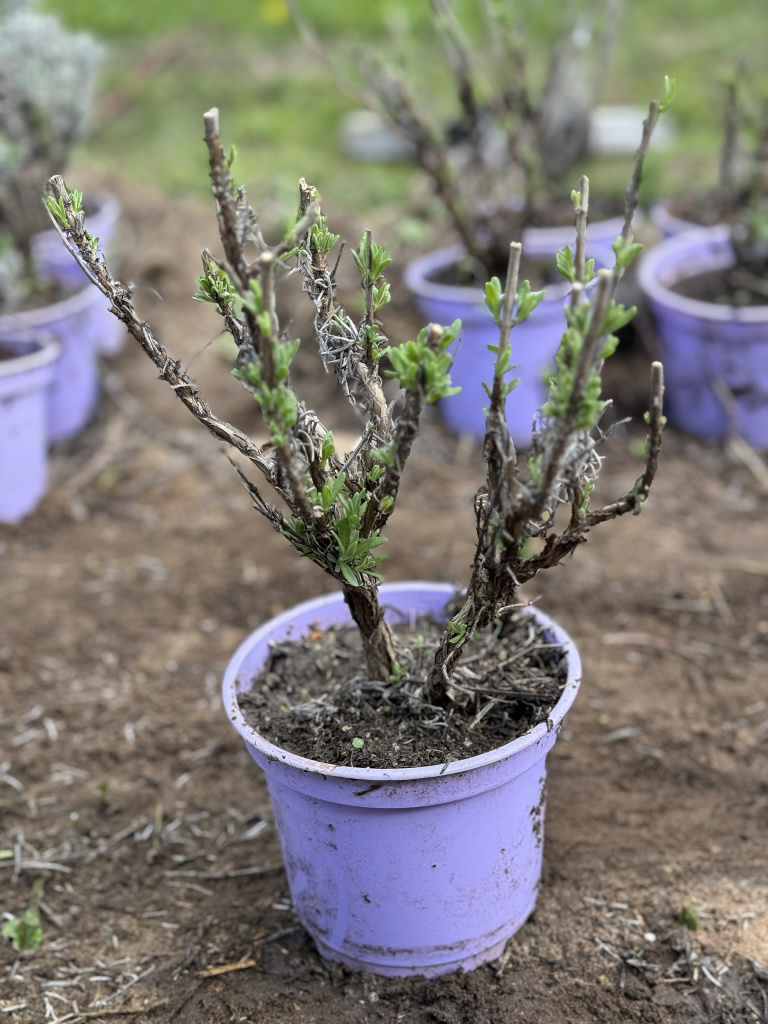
(74, 322)
(704, 344)
(411, 870)
(534, 342)
(25, 375)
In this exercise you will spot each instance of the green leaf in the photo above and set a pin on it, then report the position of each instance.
(565, 264)
(398, 671)
(669, 94)
(689, 918)
(625, 250)
(380, 260)
(24, 932)
(494, 297)
(328, 448)
(381, 295)
(348, 575)
(417, 366)
(457, 631)
(358, 743)
(386, 454)
(609, 346)
(617, 317)
(527, 301)
(322, 239)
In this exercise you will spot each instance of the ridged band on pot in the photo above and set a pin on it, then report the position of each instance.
(705, 345)
(74, 323)
(407, 870)
(53, 261)
(24, 381)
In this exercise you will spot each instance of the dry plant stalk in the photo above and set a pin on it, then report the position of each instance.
(338, 504)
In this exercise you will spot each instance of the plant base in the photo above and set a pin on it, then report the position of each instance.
(407, 870)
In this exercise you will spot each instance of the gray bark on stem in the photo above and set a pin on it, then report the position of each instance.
(378, 646)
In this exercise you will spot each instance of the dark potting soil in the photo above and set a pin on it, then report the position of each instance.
(469, 274)
(312, 700)
(558, 211)
(35, 296)
(705, 208)
(738, 286)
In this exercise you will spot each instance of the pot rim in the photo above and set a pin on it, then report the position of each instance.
(416, 279)
(718, 240)
(47, 351)
(41, 316)
(307, 765)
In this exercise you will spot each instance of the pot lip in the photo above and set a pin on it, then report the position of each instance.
(717, 239)
(307, 765)
(47, 351)
(416, 279)
(41, 316)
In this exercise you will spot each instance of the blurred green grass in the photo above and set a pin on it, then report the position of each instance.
(279, 106)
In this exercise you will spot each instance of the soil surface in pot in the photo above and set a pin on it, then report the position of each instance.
(511, 224)
(36, 295)
(311, 700)
(468, 274)
(738, 286)
(125, 790)
(704, 207)
(557, 211)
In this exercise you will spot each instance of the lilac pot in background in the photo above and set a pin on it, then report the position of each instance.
(54, 261)
(534, 343)
(73, 322)
(704, 344)
(24, 382)
(410, 870)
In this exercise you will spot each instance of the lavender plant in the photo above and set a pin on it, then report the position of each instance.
(47, 76)
(338, 504)
(742, 196)
(505, 137)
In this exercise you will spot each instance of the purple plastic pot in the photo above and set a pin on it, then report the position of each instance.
(409, 870)
(703, 343)
(53, 261)
(534, 343)
(73, 322)
(24, 381)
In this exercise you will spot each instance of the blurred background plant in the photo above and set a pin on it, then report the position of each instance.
(499, 161)
(47, 78)
(245, 57)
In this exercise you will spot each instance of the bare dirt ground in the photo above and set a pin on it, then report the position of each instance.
(125, 789)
